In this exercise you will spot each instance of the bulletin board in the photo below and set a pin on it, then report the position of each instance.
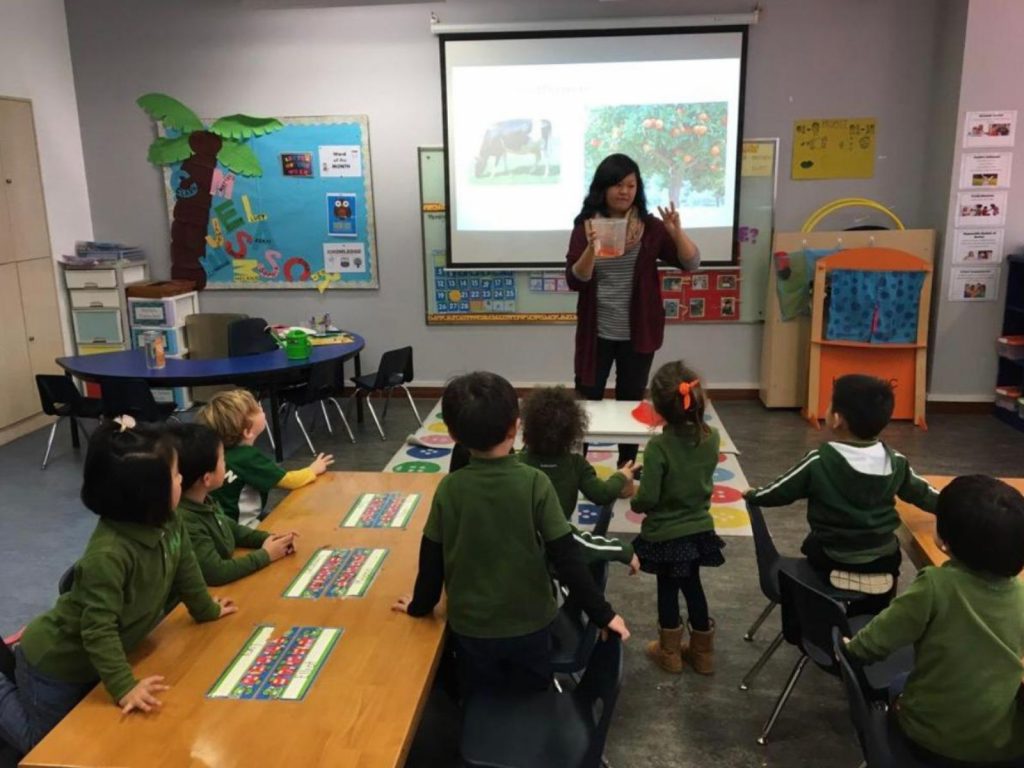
(306, 222)
(507, 296)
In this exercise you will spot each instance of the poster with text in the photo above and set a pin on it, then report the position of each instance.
(978, 246)
(985, 169)
(981, 209)
(974, 284)
(838, 148)
(992, 128)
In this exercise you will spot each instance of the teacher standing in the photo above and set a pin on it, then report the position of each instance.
(619, 315)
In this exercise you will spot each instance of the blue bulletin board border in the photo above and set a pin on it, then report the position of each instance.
(302, 224)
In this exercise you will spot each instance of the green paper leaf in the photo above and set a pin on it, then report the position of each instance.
(245, 126)
(239, 158)
(166, 151)
(171, 112)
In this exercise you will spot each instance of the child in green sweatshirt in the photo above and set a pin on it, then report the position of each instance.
(251, 475)
(851, 485)
(138, 554)
(966, 622)
(554, 424)
(214, 535)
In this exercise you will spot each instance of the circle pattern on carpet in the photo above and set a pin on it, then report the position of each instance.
(424, 467)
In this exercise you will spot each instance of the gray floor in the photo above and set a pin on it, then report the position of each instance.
(661, 720)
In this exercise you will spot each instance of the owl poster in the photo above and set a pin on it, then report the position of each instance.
(341, 214)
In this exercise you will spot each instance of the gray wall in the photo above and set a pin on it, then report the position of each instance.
(964, 359)
(807, 58)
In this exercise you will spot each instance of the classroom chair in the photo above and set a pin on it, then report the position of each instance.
(546, 729)
(249, 336)
(318, 389)
(59, 397)
(6, 662)
(134, 398)
(207, 335)
(769, 563)
(395, 370)
(808, 618)
(573, 635)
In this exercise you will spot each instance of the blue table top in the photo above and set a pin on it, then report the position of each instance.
(223, 370)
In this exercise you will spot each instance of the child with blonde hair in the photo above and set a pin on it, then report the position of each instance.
(237, 417)
(678, 536)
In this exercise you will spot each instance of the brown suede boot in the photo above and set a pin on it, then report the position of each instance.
(700, 652)
(665, 650)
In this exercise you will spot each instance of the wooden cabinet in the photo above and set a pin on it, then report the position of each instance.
(30, 324)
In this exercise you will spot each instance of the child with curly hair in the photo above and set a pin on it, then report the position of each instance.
(554, 424)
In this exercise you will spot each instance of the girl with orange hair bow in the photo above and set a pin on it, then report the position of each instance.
(678, 533)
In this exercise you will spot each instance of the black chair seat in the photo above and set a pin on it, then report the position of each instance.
(572, 639)
(369, 380)
(526, 731)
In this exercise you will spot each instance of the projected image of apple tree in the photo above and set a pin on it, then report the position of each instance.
(680, 148)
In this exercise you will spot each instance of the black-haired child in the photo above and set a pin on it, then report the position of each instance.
(965, 620)
(492, 529)
(214, 535)
(138, 554)
(677, 536)
(851, 485)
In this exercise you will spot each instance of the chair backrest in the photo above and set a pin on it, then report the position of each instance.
(323, 380)
(56, 391)
(868, 720)
(67, 580)
(766, 553)
(207, 334)
(811, 616)
(598, 692)
(249, 337)
(129, 396)
(395, 368)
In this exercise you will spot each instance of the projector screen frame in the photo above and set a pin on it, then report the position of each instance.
(741, 29)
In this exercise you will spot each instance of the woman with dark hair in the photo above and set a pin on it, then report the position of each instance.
(619, 315)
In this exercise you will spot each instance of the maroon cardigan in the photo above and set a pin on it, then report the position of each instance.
(646, 313)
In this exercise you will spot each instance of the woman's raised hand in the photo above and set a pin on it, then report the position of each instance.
(671, 218)
(592, 241)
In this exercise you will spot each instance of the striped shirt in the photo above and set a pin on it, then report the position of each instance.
(614, 291)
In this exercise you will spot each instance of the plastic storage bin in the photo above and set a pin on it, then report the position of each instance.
(170, 311)
(1007, 397)
(1011, 347)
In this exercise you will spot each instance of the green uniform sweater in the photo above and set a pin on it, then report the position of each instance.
(214, 538)
(571, 475)
(121, 585)
(851, 512)
(675, 489)
(492, 518)
(250, 477)
(967, 629)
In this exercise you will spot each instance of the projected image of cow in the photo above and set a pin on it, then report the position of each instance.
(517, 151)
(680, 148)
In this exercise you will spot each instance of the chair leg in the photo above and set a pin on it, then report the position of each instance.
(754, 670)
(344, 420)
(760, 620)
(375, 419)
(270, 432)
(783, 698)
(327, 420)
(387, 402)
(49, 443)
(305, 434)
(412, 402)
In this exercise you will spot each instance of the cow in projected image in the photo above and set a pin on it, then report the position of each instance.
(514, 137)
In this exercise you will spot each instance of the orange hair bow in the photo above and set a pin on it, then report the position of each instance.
(685, 388)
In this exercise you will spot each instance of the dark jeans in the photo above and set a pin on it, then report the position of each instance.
(520, 663)
(631, 372)
(696, 602)
(31, 708)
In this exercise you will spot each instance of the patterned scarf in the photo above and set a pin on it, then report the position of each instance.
(634, 229)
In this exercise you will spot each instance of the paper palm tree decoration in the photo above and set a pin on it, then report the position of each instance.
(199, 149)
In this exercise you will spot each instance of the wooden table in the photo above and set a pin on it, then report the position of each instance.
(364, 706)
(917, 532)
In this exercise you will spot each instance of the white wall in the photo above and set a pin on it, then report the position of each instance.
(35, 63)
(806, 58)
(964, 356)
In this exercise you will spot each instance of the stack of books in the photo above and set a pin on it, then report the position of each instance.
(89, 252)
